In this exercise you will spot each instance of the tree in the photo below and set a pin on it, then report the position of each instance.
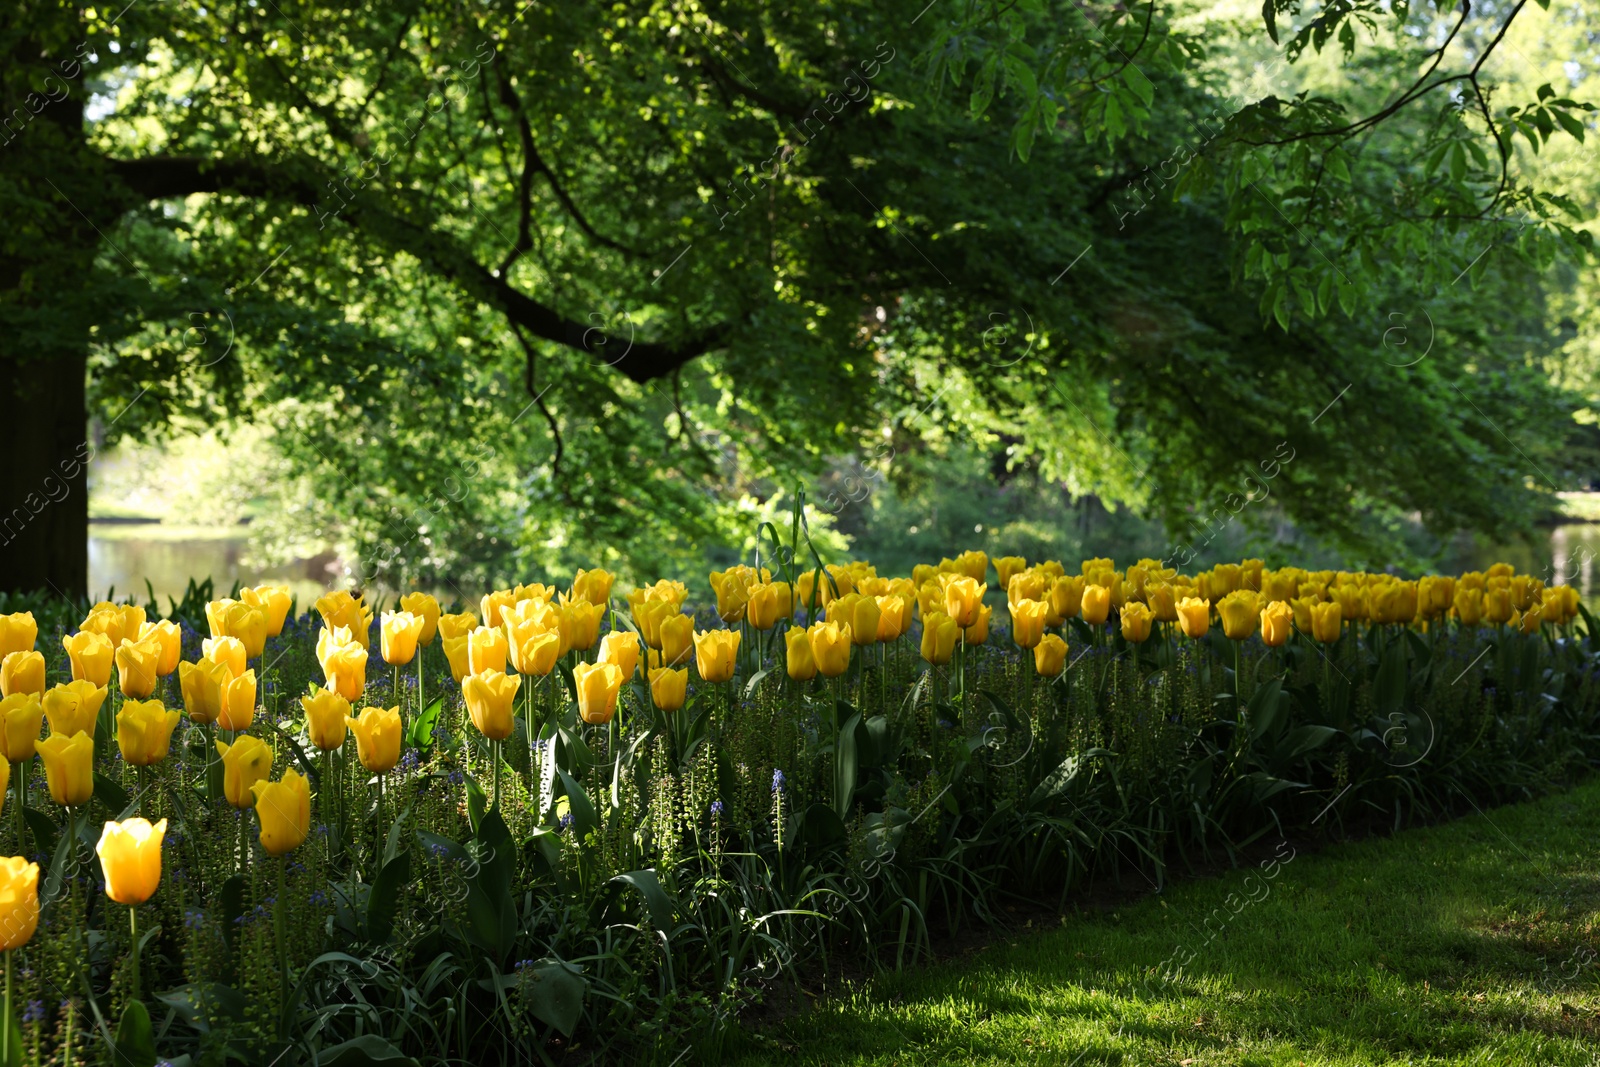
(518, 279)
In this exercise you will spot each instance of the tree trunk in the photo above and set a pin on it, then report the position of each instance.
(44, 489)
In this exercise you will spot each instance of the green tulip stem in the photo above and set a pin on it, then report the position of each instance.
(494, 754)
(278, 908)
(400, 704)
(5, 1045)
(377, 831)
(133, 931)
(21, 775)
(244, 846)
(420, 704)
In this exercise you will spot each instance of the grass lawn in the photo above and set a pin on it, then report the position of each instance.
(1476, 942)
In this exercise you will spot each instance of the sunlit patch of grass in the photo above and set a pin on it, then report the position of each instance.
(1473, 943)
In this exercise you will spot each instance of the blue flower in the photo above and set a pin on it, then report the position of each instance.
(779, 782)
(716, 808)
(34, 1012)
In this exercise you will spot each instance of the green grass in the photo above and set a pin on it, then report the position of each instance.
(1476, 942)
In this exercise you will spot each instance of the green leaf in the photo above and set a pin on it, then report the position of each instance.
(1389, 685)
(422, 726)
(113, 796)
(579, 806)
(362, 1051)
(136, 1043)
(1141, 86)
(383, 903)
(1264, 707)
(1280, 307)
(844, 767)
(491, 911)
(648, 886)
(43, 827)
(1269, 15)
(555, 990)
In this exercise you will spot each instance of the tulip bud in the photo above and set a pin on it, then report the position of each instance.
(244, 763)
(144, 731)
(340, 609)
(130, 859)
(585, 623)
(344, 662)
(534, 649)
(457, 625)
(715, 652)
(894, 616)
(622, 648)
(1277, 622)
(962, 598)
(273, 601)
(1327, 621)
(105, 619)
(677, 637)
(491, 697)
(73, 707)
(90, 655)
(239, 620)
(1238, 612)
(978, 632)
(1027, 622)
(284, 810)
(593, 586)
(493, 606)
(1049, 655)
(228, 651)
(201, 684)
(68, 767)
(939, 635)
(455, 654)
(168, 639)
(236, 705)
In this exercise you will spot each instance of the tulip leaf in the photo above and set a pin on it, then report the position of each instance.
(422, 726)
(383, 903)
(1389, 686)
(823, 828)
(583, 815)
(491, 912)
(232, 900)
(755, 680)
(1264, 707)
(43, 827)
(113, 796)
(554, 990)
(655, 898)
(136, 1043)
(845, 762)
(364, 1050)
(477, 802)
(391, 844)
(309, 769)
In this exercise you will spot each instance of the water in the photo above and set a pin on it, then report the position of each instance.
(123, 558)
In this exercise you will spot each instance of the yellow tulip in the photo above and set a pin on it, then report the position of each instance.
(1096, 604)
(491, 701)
(1238, 613)
(284, 810)
(400, 632)
(858, 612)
(830, 647)
(493, 605)
(1163, 601)
(20, 717)
(1028, 619)
(1050, 655)
(769, 602)
(732, 596)
(677, 637)
(457, 625)
(1301, 608)
(939, 636)
(326, 712)
(91, 656)
(236, 705)
(144, 731)
(669, 688)
(455, 654)
(426, 607)
(344, 662)
(1497, 607)
(1527, 622)
(1468, 603)
(962, 598)
(598, 685)
(648, 616)
(1005, 567)
(169, 639)
(19, 901)
(201, 684)
(22, 672)
(1194, 616)
(273, 601)
(1136, 622)
(622, 648)
(894, 616)
(1327, 621)
(487, 650)
(534, 649)
(593, 586)
(341, 609)
(236, 619)
(73, 707)
(1066, 599)
(1277, 622)
(228, 651)
(585, 623)
(714, 654)
(136, 668)
(18, 633)
(377, 733)
(1028, 585)
(930, 599)
(978, 632)
(105, 619)
(68, 767)
(130, 859)
(1099, 563)
(798, 660)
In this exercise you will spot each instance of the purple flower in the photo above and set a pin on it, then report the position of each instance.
(779, 782)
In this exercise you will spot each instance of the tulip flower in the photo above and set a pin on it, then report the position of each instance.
(962, 598)
(455, 654)
(585, 622)
(326, 712)
(669, 688)
(1027, 621)
(1238, 612)
(201, 684)
(1050, 655)
(1301, 608)
(677, 638)
(593, 586)
(491, 701)
(21, 714)
(769, 602)
(598, 685)
(1468, 603)
(1007, 566)
(733, 597)
(1327, 621)
(68, 767)
(533, 648)
(228, 651)
(344, 662)
(236, 703)
(1497, 607)
(245, 762)
(939, 635)
(830, 647)
(72, 707)
(457, 625)
(1028, 585)
(798, 660)
(894, 616)
(400, 633)
(18, 633)
(273, 601)
(107, 620)
(426, 607)
(1163, 601)
(22, 672)
(136, 668)
(169, 639)
(1194, 616)
(130, 859)
(284, 810)
(340, 609)
(493, 606)
(19, 902)
(377, 733)
(144, 731)
(1096, 604)
(978, 632)
(91, 656)
(1277, 622)
(236, 619)
(622, 648)
(487, 650)
(1136, 622)
(715, 652)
